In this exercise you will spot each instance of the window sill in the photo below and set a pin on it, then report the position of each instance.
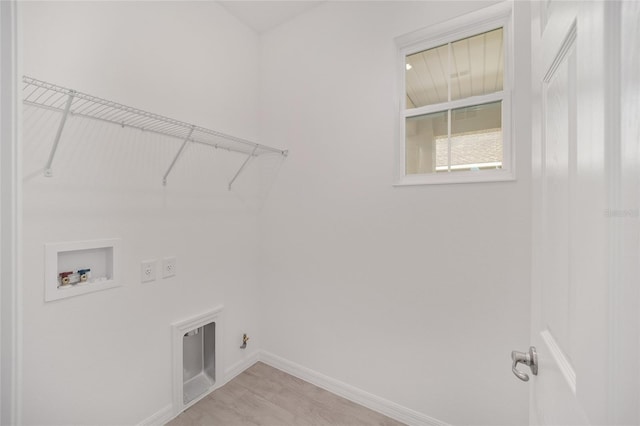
(456, 177)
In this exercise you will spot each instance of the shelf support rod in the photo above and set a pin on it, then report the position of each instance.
(243, 166)
(175, 159)
(48, 171)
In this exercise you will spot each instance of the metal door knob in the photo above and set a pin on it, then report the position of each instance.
(528, 358)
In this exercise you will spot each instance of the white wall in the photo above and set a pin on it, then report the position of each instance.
(417, 295)
(414, 294)
(105, 357)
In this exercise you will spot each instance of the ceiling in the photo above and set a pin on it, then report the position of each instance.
(265, 15)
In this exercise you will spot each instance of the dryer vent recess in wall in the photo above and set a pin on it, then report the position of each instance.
(197, 365)
(198, 361)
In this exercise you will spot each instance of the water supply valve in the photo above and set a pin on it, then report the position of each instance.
(64, 278)
(72, 278)
(245, 339)
(85, 274)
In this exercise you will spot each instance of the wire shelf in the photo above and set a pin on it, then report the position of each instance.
(70, 102)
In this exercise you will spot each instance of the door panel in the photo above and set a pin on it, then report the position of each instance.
(582, 185)
(559, 159)
(555, 335)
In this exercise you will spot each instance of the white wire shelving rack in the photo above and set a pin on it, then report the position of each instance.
(73, 103)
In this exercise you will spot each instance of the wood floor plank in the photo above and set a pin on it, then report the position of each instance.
(265, 396)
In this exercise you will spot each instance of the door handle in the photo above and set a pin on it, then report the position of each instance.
(527, 358)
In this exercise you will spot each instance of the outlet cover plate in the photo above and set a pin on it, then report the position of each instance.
(168, 267)
(148, 271)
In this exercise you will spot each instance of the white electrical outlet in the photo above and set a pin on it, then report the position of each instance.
(148, 270)
(168, 267)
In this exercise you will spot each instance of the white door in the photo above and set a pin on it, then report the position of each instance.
(585, 324)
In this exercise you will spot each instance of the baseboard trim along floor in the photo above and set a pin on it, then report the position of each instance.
(359, 396)
(352, 393)
(240, 366)
(159, 418)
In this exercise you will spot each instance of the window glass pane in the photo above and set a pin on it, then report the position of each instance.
(421, 149)
(476, 137)
(426, 77)
(477, 65)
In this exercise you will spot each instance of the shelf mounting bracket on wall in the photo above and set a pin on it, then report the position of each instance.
(242, 166)
(178, 154)
(48, 171)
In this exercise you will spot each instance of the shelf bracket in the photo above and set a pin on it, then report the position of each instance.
(178, 154)
(243, 166)
(48, 171)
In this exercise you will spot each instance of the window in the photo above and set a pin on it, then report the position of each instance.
(455, 108)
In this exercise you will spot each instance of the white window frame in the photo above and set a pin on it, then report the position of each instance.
(469, 25)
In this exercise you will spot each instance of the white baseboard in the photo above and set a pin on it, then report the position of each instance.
(373, 402)
(160, 418)
(237, 368)
(166, 414)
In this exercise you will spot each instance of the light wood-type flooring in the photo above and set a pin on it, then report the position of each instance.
(265, 396)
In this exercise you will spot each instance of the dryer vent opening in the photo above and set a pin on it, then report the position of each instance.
(199, 361)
